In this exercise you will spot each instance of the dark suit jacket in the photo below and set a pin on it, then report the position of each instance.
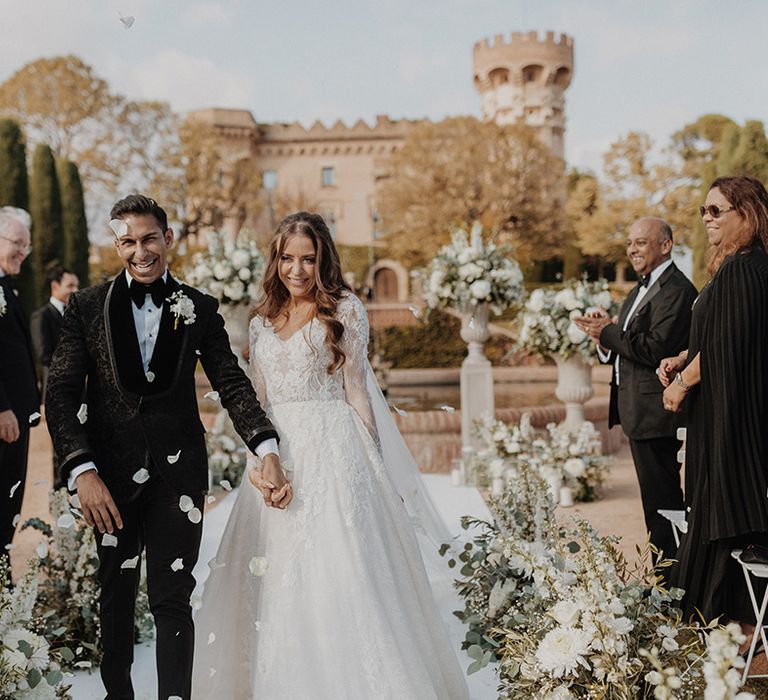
(45, 325)
(18, 381)
(659, 328)
(133, 422)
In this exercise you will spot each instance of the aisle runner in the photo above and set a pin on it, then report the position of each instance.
(452, 502)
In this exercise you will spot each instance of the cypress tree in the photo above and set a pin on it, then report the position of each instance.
(45, 207)
(74, 220)
(750, 156)
(14, 192)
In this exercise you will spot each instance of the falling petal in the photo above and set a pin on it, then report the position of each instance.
(119, 227)
(74, 500)
(197, 352)
(447, 409)
(212, 395)
(213, 564)
(34, 416)
(258, 566)
(13, 488)
(127, 24)
(108, 540)
(211, 638)
(186, 504)
(83, 664)
(195, 516)
(141, 476)
(131, 563)
(178, 565)
(66, 520)
(399, 411)
(224, 483)
(414, 310)
(16, 519)
(196, 602)
(150, 376)
(82, 413)
(257, 625)
(211, 499)
(42, 550)
(10, 546)
(172, 459)
(212, 672)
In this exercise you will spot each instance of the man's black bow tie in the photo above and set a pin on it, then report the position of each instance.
(644, 281)
(139, 292)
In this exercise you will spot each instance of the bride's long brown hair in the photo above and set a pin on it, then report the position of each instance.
(329, 283)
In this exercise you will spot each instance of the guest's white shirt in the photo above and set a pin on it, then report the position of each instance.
(642, 291)
(57, 304)
(147, 322)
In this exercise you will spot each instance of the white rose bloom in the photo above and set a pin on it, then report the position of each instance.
(536, 302)
(244, 274)
(481, 289)
(203, 272)
(562, 651)
(470, 271)
(235, 290)
(464, 256)
(216, 288)
(221, 271)
(436, 279)
(567, 299)
(574, 467)
(253, 290)
(566, 612)
(575, 334)
(240, 259)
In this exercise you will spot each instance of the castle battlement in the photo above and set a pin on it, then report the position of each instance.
(521, 38)
(383, 128)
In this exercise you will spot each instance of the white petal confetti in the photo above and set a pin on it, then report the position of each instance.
(42, 550)
(414, 310)
(195, 516)
(9, 547)
(197, 352)
(212, 672)
(16, 519)
(196, 602)
(127, 24)
(257, 625)
(186, 504)
(211, 638)
(66, 520)
(211, 499)
(172, 459)
(82, 413)
(119, 227)
(399, 411)
(178, 565)
(131, 563)
(447, 409)
(213, 564)
(141, 476)
(258, 566)
(74, 500)
(108, 540)
(83, 664)
(174, 697)
(212, 395)
(13, 488)
(150, 376)
(224, 483)
(33, 417)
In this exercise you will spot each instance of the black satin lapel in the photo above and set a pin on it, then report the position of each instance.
(656, 286)
(628, 305)
(124, 343)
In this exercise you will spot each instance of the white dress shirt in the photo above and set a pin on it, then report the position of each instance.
(642, 291)
(57, 304)
(147, 322)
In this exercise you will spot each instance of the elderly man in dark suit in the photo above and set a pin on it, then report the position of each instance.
(653, 323)
(19, 399)
(46, 321)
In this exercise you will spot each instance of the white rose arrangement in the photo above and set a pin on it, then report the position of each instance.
(229, 270)
(546, 325)
(464, 274)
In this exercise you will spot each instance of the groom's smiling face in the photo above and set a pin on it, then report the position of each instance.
(143, 247)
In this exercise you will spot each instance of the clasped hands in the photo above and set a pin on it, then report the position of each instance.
(593, 322)
(674, 393)
(270, 480)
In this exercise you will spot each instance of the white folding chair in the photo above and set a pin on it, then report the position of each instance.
(758, 571)
(676, 520)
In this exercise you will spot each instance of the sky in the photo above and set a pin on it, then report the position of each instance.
(647, 65)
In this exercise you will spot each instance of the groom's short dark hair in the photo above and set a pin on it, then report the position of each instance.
(139, 204)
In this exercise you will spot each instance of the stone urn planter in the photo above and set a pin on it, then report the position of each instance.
(574, 388)
(476, 373)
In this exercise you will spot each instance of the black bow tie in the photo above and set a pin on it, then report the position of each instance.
(139, 292)
(644, 281)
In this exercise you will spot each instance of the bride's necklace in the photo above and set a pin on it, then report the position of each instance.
(297, 319)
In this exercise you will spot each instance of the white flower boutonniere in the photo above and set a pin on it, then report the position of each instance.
(3, 303)
(183, 308)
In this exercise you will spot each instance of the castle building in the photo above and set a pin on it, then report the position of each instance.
(338, 170)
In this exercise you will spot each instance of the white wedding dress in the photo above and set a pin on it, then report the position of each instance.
(344, 610)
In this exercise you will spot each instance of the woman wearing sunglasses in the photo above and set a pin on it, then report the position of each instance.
(722, 381)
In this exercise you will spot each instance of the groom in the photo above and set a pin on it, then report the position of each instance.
(135, 452)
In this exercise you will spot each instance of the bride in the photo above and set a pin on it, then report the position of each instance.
(318, 590)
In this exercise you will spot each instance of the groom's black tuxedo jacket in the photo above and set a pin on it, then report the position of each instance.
(132, 422)
(659, 328)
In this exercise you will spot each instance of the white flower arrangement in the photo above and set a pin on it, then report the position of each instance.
(3, 303)
(230, 271)
(546, 323)
(463, 274)
(182, 308)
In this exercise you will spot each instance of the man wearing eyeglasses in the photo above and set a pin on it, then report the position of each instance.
(19, 399)
(653, 323)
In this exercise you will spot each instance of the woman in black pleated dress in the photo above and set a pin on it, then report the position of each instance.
(722, 380)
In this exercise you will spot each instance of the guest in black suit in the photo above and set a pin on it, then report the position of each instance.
(19, 400)
(46, 321)
(138, 458)
(653, 323)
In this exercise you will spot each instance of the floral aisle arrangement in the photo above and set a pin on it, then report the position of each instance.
(227, 454)
(575, 458)
(465, 273)
(229, 270)
(67, 595)
(546, 323)
(563, 616)
(30, 669)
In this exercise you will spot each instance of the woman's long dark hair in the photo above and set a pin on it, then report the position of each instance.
(329, 283)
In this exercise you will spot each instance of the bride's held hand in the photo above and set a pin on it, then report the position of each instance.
(281, 493)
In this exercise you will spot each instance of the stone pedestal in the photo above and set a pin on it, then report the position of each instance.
(236, 320)
(476, 372)
(574, 388)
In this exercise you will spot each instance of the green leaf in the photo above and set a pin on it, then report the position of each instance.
(475, 652)
(467, 570)
(26, 648)
(474, 667)
(65, 653)
(59, 631)
(451, 563)
(443, 549)
(54, 678)
(574, 547)
(34, 677)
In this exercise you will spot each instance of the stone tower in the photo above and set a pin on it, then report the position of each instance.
(524, 79)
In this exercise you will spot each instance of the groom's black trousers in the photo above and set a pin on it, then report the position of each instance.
(151, 521)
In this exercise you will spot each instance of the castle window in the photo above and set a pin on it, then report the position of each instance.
(269, 180)
(328, 176)
(532, 74)
(377, 232)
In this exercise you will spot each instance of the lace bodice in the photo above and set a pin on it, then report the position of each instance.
(287, 371)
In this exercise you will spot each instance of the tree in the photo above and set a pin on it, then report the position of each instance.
(45, 208)
(750, 154)
(75, 224)
(462, 170)
(14, 192)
